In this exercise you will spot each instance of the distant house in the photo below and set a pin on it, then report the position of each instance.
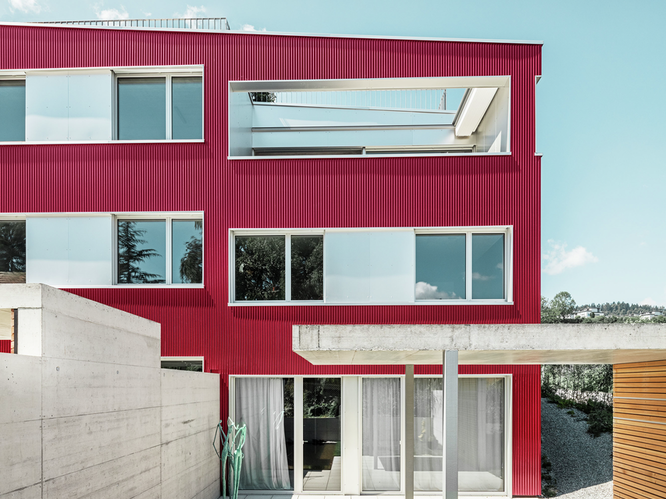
(588, 313)
(651, 315)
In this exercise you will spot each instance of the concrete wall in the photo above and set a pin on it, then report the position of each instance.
(90, 413)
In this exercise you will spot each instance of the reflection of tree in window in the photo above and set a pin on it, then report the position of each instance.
(307, 267)
(191, 264)
(131, 255)
(260, 268)
(12, 251)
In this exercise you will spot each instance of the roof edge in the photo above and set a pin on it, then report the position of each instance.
(278, 33)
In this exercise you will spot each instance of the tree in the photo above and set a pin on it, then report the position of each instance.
(191, 264)
(12, 246)
(260, 268)
(307, 267)
(129, 254)
(548, 316)
(263, 96)
(563, 305)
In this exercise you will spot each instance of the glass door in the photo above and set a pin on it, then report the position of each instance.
(322, 434)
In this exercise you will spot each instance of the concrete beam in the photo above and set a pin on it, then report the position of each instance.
(480, 343)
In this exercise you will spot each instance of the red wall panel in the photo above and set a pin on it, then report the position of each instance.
(5, 346)
(368, 192)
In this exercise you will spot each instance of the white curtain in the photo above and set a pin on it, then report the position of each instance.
(480, 432)
(381, 434)
(481, 425)
(260, 405)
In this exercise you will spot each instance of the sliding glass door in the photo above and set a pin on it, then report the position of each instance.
(322, 434)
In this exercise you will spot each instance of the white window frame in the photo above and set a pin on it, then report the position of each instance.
(168, 257)
(355, 447)
(468, 232)
(507, 230)
(287, 262)
(184, 359)
(168, 72)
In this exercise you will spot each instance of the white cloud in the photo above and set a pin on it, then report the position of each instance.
(25, 6)
(109, 14)
(249, 27)
(557, 259)
(191, 12)
(480, 277)
(425, 291)
(648, 301)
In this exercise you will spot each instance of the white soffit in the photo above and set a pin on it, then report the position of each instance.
(474, 109)
(370, 84)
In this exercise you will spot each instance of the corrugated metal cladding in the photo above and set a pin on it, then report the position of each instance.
(5, 346)
(405, 191)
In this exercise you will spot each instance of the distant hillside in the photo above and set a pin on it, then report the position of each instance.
(622, 309)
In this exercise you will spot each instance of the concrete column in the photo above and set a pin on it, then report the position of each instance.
(409, 432)
(450, 423)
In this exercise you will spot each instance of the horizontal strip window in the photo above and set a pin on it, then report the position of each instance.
(102, 105)
(92, 250)
(372, 266)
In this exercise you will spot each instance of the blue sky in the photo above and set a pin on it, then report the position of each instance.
(601, 111)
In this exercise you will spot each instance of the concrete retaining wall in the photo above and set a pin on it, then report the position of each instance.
(89, 412)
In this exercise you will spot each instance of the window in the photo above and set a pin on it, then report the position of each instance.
(371, 266)
(101, 104)
(165, 251)
(193, 364)
(12, 110)
(460, 266)
(12, 251)
(143, 103)
(263, 269)
(369, 117)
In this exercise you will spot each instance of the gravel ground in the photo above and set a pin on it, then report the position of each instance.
(582, 464)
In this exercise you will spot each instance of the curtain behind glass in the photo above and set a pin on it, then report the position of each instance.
(381, 434)
(480, 434)
(260, 405)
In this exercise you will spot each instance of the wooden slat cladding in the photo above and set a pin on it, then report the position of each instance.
(639, 430)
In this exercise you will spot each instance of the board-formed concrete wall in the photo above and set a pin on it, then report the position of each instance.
(87, 411)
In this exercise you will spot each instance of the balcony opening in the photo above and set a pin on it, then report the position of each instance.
(410, 116)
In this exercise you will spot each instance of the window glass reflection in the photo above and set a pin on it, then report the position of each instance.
(260, 268)
(12, 251)
(440, 267)
(186, 108)
(12, 110)
(488, 266)
(141, 251)
(141, 108)
(307, 267)
(187, 254)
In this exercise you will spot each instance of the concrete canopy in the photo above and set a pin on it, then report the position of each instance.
(480, 343)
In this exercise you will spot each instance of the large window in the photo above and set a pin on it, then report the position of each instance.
(159, 108)
(460, 266)
(12, 251)
(101, 104)
(306, 433)
(162, 251)
(12, 110)
(279, 268)
(426, 266)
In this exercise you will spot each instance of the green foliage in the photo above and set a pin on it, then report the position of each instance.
(549, 483)
(263, 96)
(260, 268)
(321, 398)
(622, 309)
(579, 377)
(563, 304)
(129, 254)
(191, 265)
(307, 268)
(12, 246)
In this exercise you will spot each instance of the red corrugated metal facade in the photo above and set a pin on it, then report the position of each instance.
(392, 192)
(5, 346)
